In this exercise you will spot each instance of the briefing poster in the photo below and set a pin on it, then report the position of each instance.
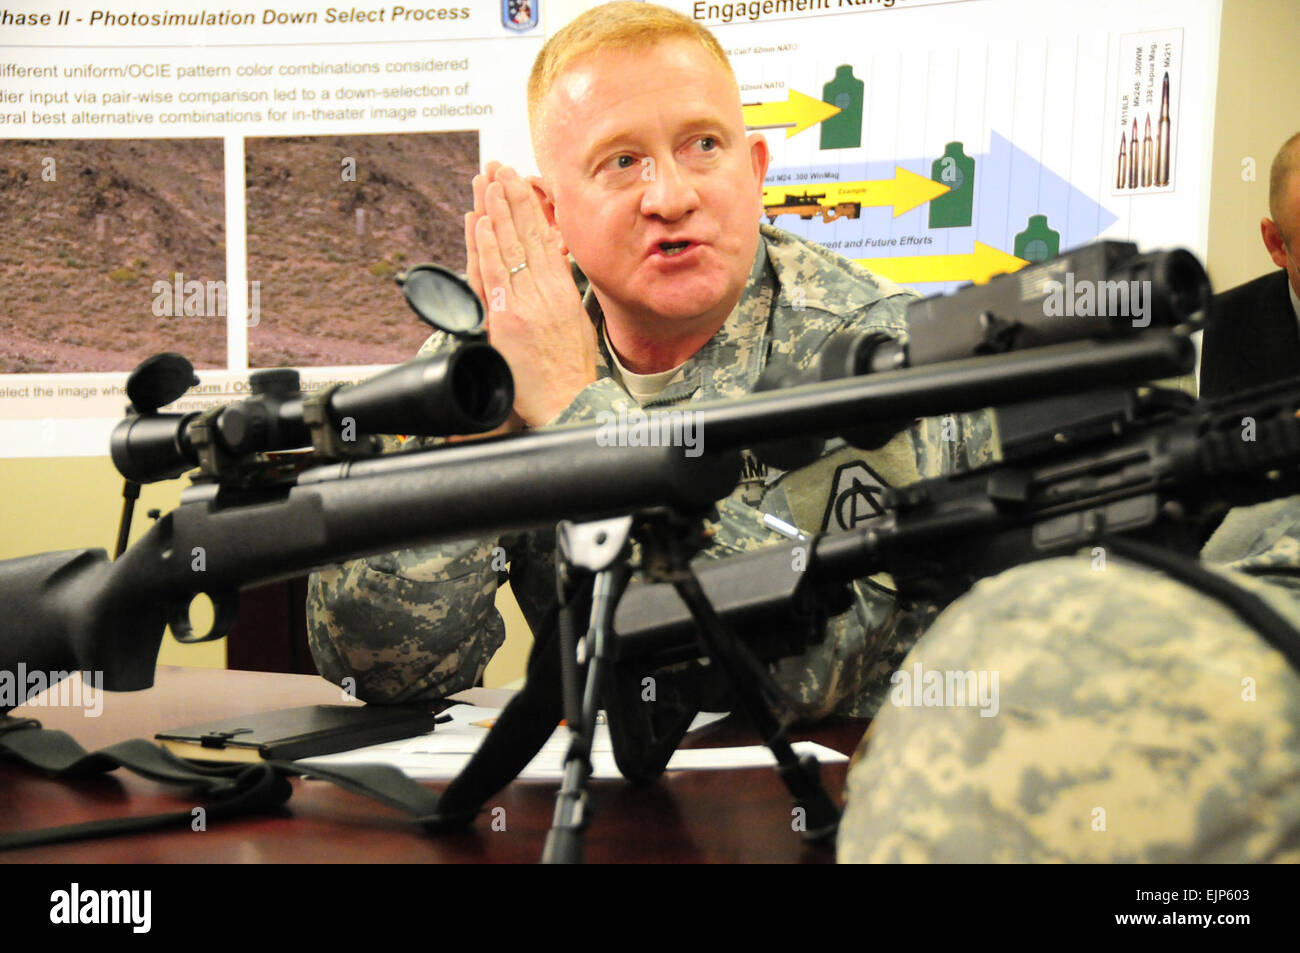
(241, 183)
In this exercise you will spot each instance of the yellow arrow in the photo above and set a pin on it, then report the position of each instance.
(905, 191)
(798, 112)
(978, 266)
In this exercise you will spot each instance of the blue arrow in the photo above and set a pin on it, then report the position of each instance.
(1010, 185)
(1013, 186)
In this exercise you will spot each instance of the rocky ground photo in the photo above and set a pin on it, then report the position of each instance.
(331, 220)
(89, 227)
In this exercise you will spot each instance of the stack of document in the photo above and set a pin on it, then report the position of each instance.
(440, 755)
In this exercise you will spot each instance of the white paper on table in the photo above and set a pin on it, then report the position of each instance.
(441, 754)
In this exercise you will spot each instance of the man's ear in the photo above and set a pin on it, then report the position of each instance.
(548, 206)
(759, 157)
(1273, 241)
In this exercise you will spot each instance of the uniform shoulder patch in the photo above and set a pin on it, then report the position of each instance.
(854, 497)
(844, 489)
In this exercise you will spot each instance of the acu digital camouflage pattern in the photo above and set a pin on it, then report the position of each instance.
(1138, 720)
(421, 623)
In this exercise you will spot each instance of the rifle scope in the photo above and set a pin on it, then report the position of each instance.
(467, 389)
(1100, 291)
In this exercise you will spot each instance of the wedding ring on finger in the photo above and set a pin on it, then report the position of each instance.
(518, 268)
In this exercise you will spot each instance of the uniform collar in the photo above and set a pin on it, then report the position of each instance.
(730, 362)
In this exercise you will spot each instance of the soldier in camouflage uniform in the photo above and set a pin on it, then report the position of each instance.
(1136, 719)
(421, 623)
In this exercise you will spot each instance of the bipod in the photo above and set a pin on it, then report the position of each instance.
(601, 550)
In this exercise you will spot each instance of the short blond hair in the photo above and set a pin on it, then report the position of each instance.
(622, 25)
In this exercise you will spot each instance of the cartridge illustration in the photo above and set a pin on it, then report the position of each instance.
(1134, 157)
(1146, 155)
(1143, 109)
(1163, 136)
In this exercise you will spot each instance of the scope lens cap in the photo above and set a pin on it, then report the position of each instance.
(158, 381)
(443, 300)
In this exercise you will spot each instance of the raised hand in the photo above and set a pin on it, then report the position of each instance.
(516, 263)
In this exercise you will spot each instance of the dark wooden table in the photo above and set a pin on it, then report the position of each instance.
(686, 817)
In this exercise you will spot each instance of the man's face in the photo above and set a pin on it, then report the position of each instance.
(654, 185)
(1282, 237)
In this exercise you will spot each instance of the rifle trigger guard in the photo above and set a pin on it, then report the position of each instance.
(225, 608)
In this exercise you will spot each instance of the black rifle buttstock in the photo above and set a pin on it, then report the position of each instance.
(74, 610)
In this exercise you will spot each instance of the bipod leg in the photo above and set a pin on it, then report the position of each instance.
(585, 547)
(802, 776)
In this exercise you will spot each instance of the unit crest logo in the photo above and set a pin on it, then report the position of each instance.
(519, 15)
(854, 497)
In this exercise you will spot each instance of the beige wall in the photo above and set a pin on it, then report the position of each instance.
(65, 503)
(1258, 107)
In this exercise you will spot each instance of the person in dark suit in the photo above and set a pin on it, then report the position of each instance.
(1255, 338)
